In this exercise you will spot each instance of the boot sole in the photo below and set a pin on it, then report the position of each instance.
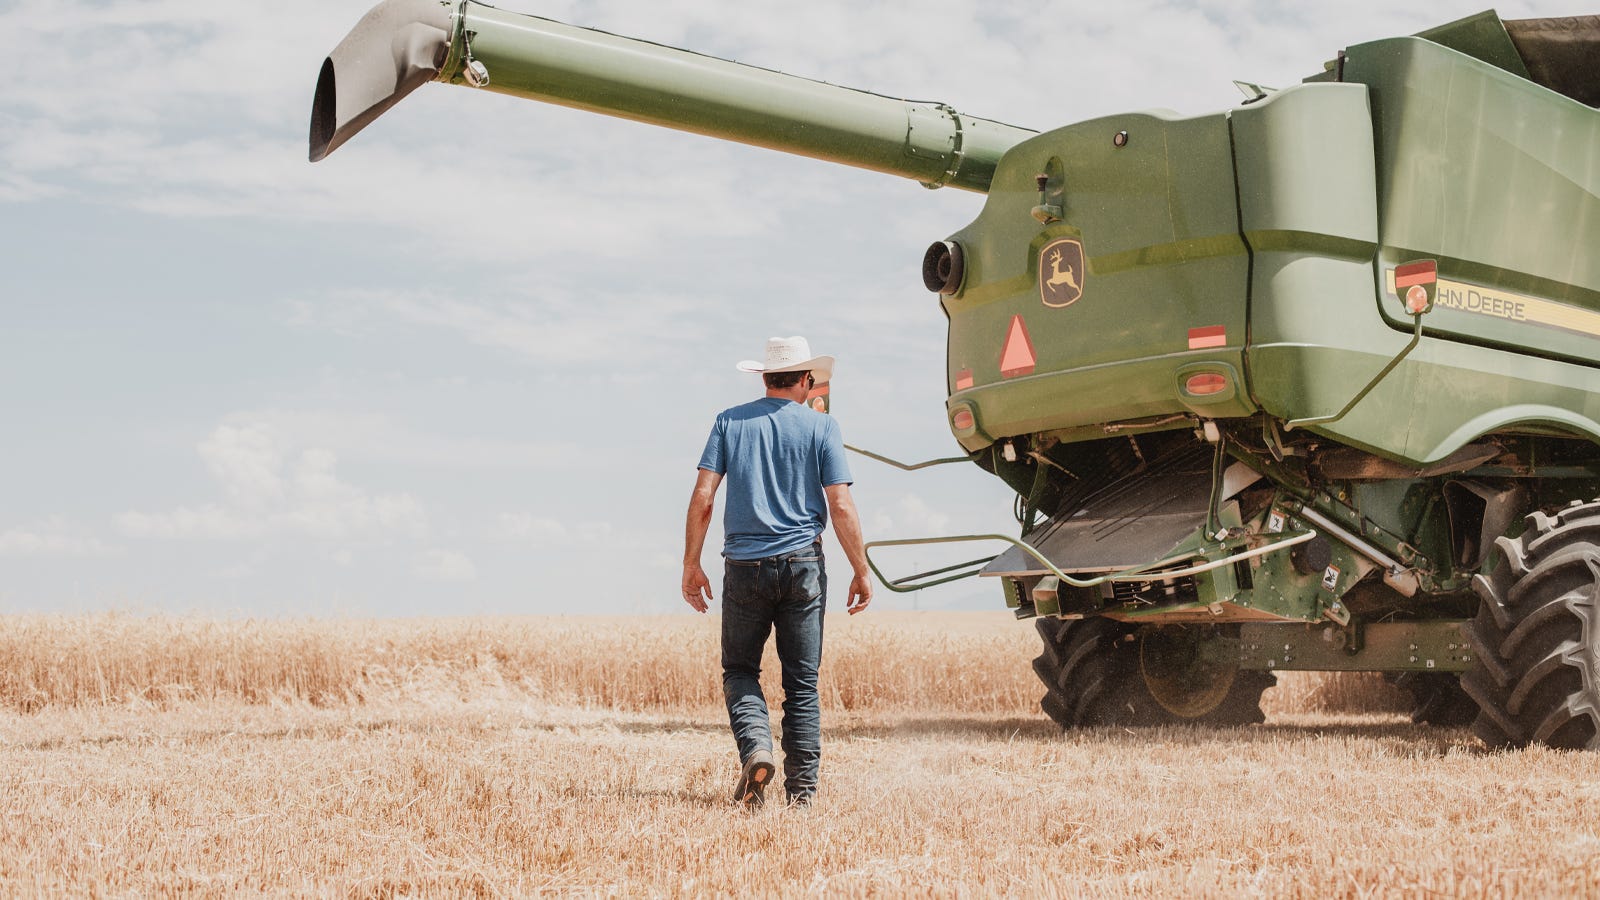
(752, 786)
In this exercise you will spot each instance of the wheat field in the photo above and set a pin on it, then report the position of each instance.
(590, 756)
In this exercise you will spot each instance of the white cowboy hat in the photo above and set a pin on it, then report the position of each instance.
(791, 354)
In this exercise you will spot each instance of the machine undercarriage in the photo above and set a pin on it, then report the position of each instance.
(1385, 584)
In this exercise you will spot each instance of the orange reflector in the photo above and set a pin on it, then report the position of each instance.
(1416, 299)
(818, 398)
(962, 420)
(1205, 383)
(963, 379)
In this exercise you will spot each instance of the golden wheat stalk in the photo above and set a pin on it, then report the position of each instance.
(975, 663)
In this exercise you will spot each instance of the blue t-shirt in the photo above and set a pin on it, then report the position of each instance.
(777, 456)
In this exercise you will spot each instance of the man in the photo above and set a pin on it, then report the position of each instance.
(786, 472)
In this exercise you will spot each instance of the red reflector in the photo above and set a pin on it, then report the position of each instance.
(1205, 383)
(962, 420)
(1212, 336)
(1424, 272)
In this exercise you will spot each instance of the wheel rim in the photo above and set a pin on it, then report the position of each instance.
(1184, 671)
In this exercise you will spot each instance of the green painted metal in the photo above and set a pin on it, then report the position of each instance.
(1416, 338)
(1298, 263)
(1504, 207)
(541, 59)
(1510, 201)
(1483, 37)
(1159, 227)
(1431, 646)
(1280, 590)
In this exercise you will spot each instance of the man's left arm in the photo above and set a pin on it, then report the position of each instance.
(847, 528)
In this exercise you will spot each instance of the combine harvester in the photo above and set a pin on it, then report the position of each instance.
(1312, 383)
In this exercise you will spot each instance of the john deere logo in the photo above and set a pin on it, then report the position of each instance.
(1061, 272)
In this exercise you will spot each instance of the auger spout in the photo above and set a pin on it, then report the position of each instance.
(402, 44)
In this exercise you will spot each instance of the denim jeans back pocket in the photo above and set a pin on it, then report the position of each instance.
(807, 580)
(741, 580)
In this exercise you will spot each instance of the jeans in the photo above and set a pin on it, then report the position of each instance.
(788, 593)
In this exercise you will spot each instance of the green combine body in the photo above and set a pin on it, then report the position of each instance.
(1310, 383)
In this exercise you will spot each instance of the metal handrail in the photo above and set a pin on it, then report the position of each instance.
(1416, 338)
(1131, 573)
(909, 467)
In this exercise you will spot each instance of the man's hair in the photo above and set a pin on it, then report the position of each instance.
(781, 380)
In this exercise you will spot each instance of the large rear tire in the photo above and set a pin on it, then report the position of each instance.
(1536, 637)
(1099, 672)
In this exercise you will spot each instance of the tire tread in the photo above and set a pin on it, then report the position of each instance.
(1536, 634)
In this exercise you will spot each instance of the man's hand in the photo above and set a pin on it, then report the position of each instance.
(697, 587)
(860, 593)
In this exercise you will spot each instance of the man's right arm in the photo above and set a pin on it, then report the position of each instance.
(696, 586)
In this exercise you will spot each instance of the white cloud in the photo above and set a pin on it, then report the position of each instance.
(273, 488)
(54, 537)
(545, 327)
(665, 561)
(525, 526)
(377, 438)
(910, 515)
(528, 527)
(445, 565)
(16, 187)
(208, 522)
(914, 509)
(246, 462)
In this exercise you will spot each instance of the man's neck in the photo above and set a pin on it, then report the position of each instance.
(796, 393)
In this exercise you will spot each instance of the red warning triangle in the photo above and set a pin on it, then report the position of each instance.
(1017, 357)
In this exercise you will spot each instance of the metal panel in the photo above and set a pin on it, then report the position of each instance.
(1495, 177)
(1150, 198)
(1140, 521)
(1432, 646)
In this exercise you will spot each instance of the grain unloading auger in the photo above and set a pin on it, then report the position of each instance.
(402, 44)
(1308, 383)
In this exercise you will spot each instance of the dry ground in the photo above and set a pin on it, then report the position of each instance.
(156, 756)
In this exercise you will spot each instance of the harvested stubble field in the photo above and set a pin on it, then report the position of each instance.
(149, 756)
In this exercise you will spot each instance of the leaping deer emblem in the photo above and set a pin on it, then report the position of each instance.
(1058, 277)
(1062, 283)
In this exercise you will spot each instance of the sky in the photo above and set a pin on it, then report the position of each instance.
(467, 364)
